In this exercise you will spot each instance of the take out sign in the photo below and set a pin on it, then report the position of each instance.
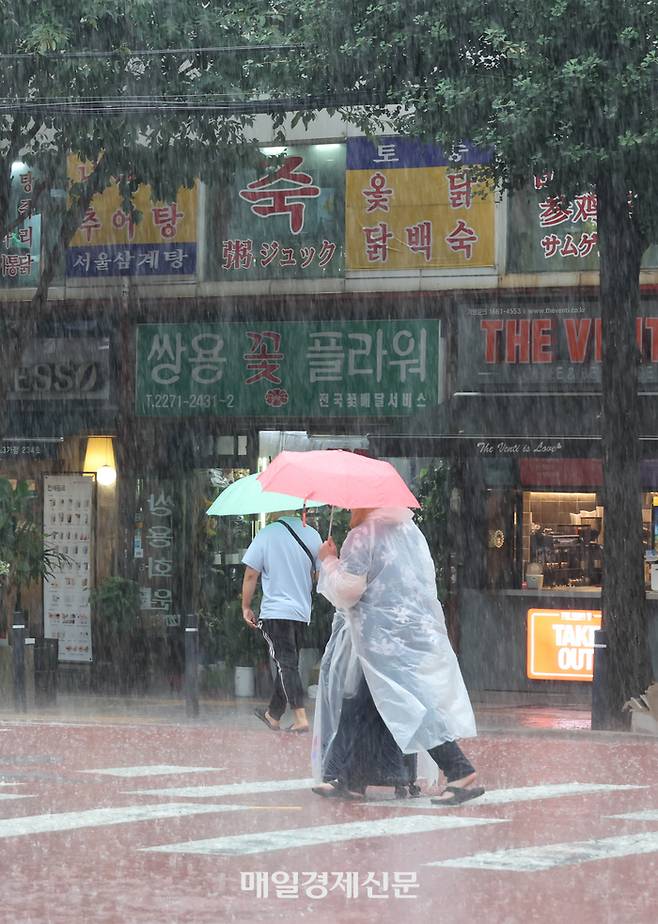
(561, 644)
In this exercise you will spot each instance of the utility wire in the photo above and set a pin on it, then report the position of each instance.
(145, 52)
(230, 107)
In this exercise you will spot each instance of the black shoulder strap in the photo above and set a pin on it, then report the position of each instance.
(297, 539)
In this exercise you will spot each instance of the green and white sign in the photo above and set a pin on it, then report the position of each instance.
(288, 369)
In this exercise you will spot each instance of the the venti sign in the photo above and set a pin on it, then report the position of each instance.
(319, 369)
(521, 346)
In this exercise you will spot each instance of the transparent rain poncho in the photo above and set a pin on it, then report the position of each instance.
(390, 626)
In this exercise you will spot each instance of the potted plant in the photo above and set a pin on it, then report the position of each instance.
(24, 557)
(215, 679)
(241, 649)
(119, 637)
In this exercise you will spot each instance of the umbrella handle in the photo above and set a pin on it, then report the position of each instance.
(331, 520)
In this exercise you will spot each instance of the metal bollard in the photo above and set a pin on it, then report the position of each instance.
(18, 658)
(192, 666)
(600, 695)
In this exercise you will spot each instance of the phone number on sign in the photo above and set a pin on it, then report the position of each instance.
(191, 401)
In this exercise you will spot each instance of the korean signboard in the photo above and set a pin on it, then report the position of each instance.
(154, 546)
(67, 523)
(280, 219)
(63, 369)
(411, 205)
(547, 234)
(321, 369)
(110, 243)
(560, 644)
(21, 244)
(543, 346)
(15, 449)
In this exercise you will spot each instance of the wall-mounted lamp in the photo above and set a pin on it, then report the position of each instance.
(99, 458)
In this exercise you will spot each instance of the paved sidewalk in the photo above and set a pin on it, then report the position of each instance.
(239, 713)
(115, 811)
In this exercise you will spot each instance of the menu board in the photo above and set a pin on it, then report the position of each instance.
(67, 516)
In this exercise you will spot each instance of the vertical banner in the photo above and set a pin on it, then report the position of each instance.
(67, 525)
(410, 205)
(21, 245)
(154, 545)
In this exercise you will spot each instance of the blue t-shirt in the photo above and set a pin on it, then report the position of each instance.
(285, 569)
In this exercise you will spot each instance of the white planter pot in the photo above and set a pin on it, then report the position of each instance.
(308, 658)
(245, 681)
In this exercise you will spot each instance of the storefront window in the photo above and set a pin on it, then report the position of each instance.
(554, 540)
(562, 539)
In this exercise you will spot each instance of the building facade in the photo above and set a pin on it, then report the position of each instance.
(363, 292)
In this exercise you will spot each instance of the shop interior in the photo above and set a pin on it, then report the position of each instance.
(562, 539)
(563, 536)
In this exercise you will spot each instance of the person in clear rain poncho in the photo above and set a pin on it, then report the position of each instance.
(390, 686)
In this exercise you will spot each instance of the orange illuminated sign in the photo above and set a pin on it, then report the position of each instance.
(561, 644)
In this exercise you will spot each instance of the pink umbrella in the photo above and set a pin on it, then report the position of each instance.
(339, 478)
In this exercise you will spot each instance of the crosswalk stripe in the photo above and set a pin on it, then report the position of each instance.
(72, 821)
(505, 796)
(549, 856)
(267, 841)
(151, 770)
(648, 815)
(226, 789)
(13, 795)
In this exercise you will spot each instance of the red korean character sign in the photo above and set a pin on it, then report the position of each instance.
(549, 232)
(284, 216)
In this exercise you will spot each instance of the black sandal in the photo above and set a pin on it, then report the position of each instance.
(337, 790)
(262, 715)
(460, 794)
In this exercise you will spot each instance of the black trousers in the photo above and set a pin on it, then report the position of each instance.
(284, 638)
(451, 760)
(363, 752)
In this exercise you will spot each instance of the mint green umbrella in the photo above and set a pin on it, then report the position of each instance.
(246, 495)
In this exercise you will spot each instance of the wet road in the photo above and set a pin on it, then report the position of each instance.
(121, 820)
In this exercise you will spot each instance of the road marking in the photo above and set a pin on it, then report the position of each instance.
(226, 789)
(13, 795)
(266, 841)
(648, 815)
(536, 859)
(151, 770)
(505, 796)
(72, 821)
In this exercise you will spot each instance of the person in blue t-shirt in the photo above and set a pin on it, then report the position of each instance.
(284, 556)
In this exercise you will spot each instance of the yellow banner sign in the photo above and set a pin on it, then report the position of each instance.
(410, 206)
(110, 243)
